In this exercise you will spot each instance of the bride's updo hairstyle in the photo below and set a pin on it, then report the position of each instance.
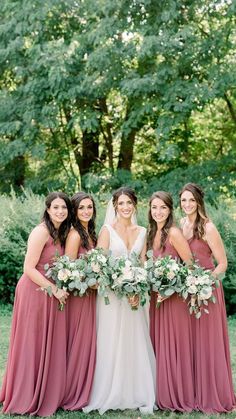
(124, 190)
(84, 235)
(202, 218)
(152, 226)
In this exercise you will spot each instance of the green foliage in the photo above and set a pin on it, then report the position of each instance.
(18, 216)
(225, 219)
(102, 82)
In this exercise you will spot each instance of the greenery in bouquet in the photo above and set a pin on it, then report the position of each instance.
(165, 275)
(98, 272)
(68, 274)
(198, 289)
(129, 278)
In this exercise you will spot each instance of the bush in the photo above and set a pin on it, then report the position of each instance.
(19, 215)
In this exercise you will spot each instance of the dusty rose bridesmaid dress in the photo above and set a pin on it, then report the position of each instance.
(170, 329)
(81, 348)
(212, 370)
(35, 378)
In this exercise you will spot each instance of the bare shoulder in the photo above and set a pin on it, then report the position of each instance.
(174, 231)
(73, 233)
(210, 227)
(40, 231)
(38, 236)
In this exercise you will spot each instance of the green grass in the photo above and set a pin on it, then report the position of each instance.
(5, 322)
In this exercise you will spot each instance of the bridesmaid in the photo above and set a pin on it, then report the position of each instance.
(170, 324)
(34, 382)
(213, 376)
(81, 311)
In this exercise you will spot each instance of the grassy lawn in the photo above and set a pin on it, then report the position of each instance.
(5, 321)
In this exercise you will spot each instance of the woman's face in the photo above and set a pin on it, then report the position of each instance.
(85, 211)
(58, 211)
(188, 203)
(125, 207)
(159, 210)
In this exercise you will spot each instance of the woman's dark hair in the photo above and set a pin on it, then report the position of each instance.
(202, 218)
(152, 227)
(84, 235)
(61, 233)
(124, 190)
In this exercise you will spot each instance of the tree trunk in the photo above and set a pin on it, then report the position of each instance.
(90, 152)
(231, 108)
(107, 134)
(126, 151)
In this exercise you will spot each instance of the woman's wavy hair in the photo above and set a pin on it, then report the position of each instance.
(124, 190)
(61, 233)
(202, 218)
(152, 226)
(84, 235)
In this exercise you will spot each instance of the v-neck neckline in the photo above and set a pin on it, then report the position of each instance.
(122, 241)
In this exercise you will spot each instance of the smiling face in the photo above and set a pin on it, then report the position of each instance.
(159, 211)
(188, 203)
(125, 206)
(85, 211)
(58, 211)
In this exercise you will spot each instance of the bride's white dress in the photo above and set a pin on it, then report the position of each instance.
(125, 365)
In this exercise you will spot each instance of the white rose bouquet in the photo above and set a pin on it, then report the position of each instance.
(198, 288)
(97, 271)
(165, 275)
(67, 274)
(129, 279)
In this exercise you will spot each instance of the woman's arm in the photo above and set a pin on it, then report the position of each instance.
(73, 242)
(104, 238)
(181, 245)
(213, 238)
(36, 242)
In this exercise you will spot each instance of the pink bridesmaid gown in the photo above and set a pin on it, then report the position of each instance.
(170, 330)
(81, 348)
(212, 370)
(35, 377)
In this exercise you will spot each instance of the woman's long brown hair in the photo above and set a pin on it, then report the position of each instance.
(152, 227)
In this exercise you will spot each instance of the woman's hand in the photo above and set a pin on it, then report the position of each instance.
(60, 295)
(134, 301)
(160, 298)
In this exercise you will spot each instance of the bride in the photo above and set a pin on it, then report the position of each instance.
(125, 367)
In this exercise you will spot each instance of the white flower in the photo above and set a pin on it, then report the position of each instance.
(190, 280)
(158, 272)
(64, 274)
(192, 289)
(102, 259)
(114, 276)
(205, 293)
(170, 275)
(95, 267)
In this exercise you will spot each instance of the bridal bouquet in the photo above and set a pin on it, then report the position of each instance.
(198, 287)
(97, 271)
(165, 275)
(129, 278)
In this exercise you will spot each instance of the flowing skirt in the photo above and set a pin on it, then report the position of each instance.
(35, 378)
(170, 329)
(81, 350)
(125, 367)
